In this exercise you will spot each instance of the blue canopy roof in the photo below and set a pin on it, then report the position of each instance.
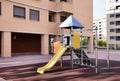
(71, 22)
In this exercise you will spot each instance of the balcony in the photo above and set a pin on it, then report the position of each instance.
(65, 7)
(53, 6)
(61, 6)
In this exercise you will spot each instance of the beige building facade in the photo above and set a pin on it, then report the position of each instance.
(102, 31)
(113, 23)
(27, 26)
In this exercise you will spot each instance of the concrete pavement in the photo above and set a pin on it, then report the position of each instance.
(34, 59)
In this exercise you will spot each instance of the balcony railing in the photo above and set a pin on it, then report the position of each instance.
(61, 6)
(53, 6)
(65, 7)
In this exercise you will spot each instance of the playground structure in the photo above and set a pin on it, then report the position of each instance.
(75, 45)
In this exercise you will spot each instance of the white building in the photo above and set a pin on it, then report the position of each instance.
(113, 23)
(101, 25)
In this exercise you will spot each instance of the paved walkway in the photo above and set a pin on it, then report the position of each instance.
(34, 59)
(23, 60)
(103, 54)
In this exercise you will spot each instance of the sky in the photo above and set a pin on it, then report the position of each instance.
(99, 9)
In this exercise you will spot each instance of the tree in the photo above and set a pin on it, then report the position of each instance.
(84, 41)
(102, 43)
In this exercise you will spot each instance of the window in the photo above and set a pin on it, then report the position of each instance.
(117, 15)
(62, 18)
(63, 0)
(52, 0)
(99, 28)
(117, 38)
(117, 0)
(34, 15)
(118, 7)
(112, 30)
(117, 30)
(112, 23)
(19, 12)
(117, 22)
(112, 37)
(112, 15)
(100, 35)
(51, 16)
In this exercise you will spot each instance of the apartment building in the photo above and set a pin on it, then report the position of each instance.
(102, 30)
(27, 26)
(113, 23)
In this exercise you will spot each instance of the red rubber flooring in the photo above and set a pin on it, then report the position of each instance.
(28, 73)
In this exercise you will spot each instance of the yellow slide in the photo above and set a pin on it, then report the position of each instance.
(52, 62)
